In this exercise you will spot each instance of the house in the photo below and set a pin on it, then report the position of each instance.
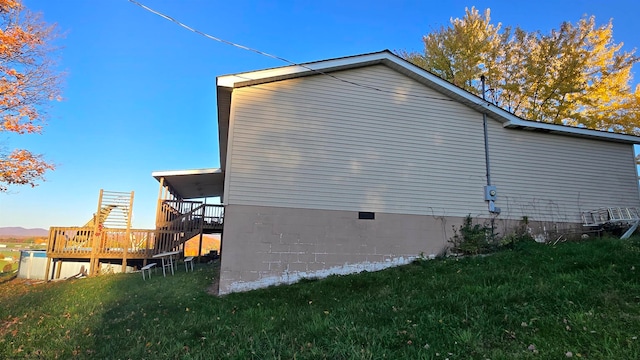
(365, 162)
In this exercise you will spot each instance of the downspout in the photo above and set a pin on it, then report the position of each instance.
(490, 191)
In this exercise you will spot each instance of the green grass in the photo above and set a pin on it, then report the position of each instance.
(582, 298)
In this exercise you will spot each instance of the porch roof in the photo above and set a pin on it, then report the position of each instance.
(193, 184)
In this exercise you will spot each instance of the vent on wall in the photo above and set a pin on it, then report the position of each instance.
(366, 215)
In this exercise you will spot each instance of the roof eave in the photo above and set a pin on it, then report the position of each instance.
(572, 131)
(295, 71)
(159, 174)
(193, 184)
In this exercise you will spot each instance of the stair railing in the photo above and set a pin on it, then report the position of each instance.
(172, 234)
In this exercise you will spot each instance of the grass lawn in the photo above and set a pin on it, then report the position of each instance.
(536, 301)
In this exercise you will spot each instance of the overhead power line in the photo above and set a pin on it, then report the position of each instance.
(210, 36)
(227, 42)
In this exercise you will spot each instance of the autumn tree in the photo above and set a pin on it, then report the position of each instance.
(575, 75)
(28, 81)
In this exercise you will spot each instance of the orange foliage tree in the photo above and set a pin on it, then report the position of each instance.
(28, 81)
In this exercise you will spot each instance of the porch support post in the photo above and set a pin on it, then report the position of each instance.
(159, 205)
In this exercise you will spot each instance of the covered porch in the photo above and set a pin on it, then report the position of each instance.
(187, 204)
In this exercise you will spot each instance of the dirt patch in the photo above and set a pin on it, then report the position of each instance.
(214, 288)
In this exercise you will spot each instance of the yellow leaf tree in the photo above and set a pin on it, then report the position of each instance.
(28, 82)
(575, 75)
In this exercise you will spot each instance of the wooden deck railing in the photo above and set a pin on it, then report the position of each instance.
(80, 242)
(213, 216)
(180, 221)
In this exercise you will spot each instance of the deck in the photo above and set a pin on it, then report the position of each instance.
(176, 222)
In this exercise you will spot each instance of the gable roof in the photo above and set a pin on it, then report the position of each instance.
(226, 83)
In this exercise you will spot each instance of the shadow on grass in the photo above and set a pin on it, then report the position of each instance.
(102, 316)
(151, 318)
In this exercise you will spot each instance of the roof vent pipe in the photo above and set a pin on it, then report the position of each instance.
(490, 191)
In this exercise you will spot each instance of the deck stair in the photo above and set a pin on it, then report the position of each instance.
(182, 220)
(172, 234)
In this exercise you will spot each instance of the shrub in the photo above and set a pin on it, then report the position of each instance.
(472, 239)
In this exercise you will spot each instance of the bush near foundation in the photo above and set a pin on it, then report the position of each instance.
(480, 238)
(472, 239)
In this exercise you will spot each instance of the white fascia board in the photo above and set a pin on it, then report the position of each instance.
(167, 173)
(575, 131)
(230, 81)
(267, 75)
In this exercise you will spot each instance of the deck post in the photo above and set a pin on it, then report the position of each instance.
(127, 235)
(50, 247)
(159, 206)
(200, 245)
(46, 272)
(201, 230)
(58, 267)
(96, 235)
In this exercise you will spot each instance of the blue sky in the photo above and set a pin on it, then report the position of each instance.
(139, 95)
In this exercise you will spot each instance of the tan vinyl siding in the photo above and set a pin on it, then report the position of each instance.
(319, 143)
(553, 177)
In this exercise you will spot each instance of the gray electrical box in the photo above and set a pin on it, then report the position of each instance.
(493, 208)
(490, 193)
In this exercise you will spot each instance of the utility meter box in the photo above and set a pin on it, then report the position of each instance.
(490, 193)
